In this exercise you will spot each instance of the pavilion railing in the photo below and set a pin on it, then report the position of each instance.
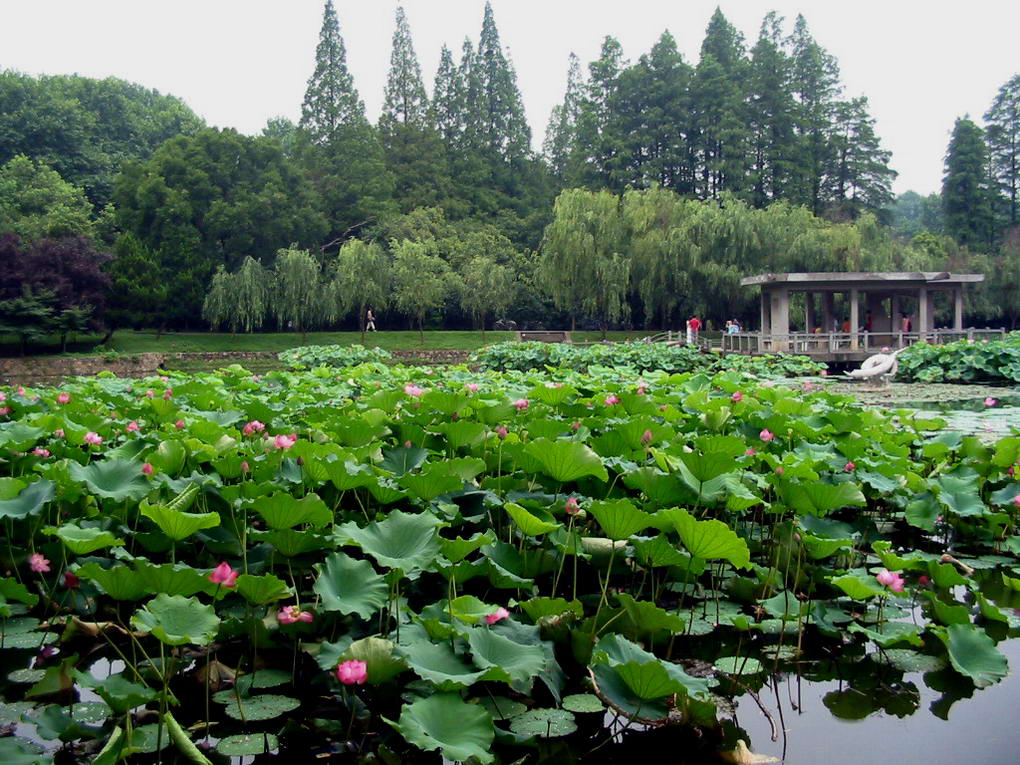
(846, 342)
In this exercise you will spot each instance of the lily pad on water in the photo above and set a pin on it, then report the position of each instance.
(544, 723)
(738, 665)
(908, 661)
(26, 675)
(501, 708)
(247, 744)
(18, 751)
(265, 706)
(583, 703)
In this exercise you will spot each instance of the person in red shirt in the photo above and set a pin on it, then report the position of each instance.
(693, 327)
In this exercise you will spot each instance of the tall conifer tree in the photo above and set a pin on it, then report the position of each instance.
(561, 134)
(1003, 135)
(331, 101)
(966, 197)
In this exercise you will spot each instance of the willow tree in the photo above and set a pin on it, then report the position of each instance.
(240, 300)
(583, 266)
(421, 281)
(663, 252)
(297, 296)
(488, 288)
(361, 279)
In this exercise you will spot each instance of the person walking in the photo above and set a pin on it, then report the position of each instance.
(369, 320)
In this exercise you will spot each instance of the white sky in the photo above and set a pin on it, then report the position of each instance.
(921, 63)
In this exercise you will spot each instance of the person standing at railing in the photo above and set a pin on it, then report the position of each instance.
(693, 327)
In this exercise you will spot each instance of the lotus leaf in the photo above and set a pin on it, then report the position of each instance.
(177, 620)
(350, 586)
(444, 722)
(116, 479)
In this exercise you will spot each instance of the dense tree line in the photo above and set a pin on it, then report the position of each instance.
(661, 183)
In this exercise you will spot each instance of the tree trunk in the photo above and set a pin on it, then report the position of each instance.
(421, 330)
(573, 323)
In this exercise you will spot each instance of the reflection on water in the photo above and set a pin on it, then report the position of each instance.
(978, 730)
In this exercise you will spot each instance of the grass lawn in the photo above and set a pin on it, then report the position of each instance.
(130, 341)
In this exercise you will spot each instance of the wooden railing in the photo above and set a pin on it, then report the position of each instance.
(847, 342)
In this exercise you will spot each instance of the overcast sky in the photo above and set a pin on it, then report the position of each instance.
(237, 63)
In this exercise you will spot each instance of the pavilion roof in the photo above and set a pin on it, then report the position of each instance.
(872, 279)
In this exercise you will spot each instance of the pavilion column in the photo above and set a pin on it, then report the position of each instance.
(958, 309)
(809, 311)
(922, 312)
(779, 322)
(827, 311)
(931, 311)
(855, 318)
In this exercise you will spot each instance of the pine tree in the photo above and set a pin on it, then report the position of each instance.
(412, 146)
(561, 134)
(594, 148)
(331, 101)
(718, 108)
(1003, 136)
(447, 109)
(770, 115)
(816, 88)
(859, 178)
(966, 197)
(405, 100)
(341, 151)
(503, 128)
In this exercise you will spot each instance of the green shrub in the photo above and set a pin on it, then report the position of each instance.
(995, 361)
(638, 356)
(308, 356)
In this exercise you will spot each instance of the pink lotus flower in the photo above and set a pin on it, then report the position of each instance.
(737, 396)
(889, 579)
(168, 394)
(553, 385)
(71, 580)
(413, 390)
(256, 378)
(21, 390)
(641, 390)
(780, 470)
(501, 431)
(223, 574)
(352, 673)
(572, 507)
(285, 442)
(809, 386)
(179, 425)
(824, 373)
(38, 563)
(147, 468)
(291, 614)
(612, 399)
(408, 444)
(766, 435)
(1016, 500)
(500, 615)
(3, 396)
(58, 433)
(93, 438)
(472, 387)
(991, 401)
(245, 467)
(646, 437)
(132, 427)
(522, 404)
(850, 467)
(150, 393)
(64, 398)
(253, 427)
(40, 452)
(750, 452)
(5, 410)
(923, 579)
(575, 426)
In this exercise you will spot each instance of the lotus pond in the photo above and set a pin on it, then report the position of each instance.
(388, 564)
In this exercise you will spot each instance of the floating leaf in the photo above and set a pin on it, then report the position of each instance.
(247, 744)
(544, 723)
(583, 703)
(501, 708)
(265, 706)
(738, 665)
